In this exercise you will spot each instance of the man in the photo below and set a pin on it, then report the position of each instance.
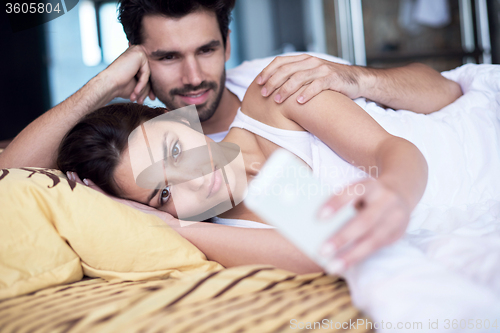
(177, 53)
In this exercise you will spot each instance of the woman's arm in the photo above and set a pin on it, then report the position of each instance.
(233, 246)
(229, 246)
(399, 168)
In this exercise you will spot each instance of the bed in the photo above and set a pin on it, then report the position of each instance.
(246, 299)
(62, 268)
(73, 260)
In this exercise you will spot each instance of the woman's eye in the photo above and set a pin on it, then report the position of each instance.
(164, 195)
(176, 150)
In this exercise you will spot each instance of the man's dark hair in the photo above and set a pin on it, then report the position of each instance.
(133, 11)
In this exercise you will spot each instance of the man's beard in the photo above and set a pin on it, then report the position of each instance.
(205, 112)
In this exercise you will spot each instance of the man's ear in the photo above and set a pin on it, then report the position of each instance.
(227, 52)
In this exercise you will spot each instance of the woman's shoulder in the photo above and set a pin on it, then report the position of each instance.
(266, 110)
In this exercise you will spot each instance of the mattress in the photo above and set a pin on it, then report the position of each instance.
(252, 298)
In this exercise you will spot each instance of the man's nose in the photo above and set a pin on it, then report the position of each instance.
(192, 72)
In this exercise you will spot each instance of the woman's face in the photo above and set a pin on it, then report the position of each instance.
(176, 173)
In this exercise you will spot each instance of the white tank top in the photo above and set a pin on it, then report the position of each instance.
(329, 167)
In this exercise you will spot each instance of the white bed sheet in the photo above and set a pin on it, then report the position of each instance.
(447, 267)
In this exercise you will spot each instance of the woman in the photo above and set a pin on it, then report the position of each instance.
(446, 264)
(343, 127)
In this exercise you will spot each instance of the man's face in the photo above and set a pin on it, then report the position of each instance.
(186, 57)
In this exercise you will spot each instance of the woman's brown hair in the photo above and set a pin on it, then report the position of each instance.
(94, 146)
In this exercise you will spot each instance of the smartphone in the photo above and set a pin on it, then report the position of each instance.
(286, 195)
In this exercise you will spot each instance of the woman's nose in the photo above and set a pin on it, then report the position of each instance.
(196, 184)
(192, 177)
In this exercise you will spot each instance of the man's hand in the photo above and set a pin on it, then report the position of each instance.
(415, 87)
(129, 75)
(382, 218)
(37, 144)
(288, 74)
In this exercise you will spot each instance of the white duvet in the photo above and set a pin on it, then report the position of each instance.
(444, 275)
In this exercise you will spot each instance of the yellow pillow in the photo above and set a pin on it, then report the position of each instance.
(53, 231)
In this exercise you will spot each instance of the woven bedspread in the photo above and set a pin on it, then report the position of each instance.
(243, 299)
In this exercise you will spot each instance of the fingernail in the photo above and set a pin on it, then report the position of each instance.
(277, 98)
(300, 99)
(264, 92)
(259, 80)
(327, 250)
(67, 175)
(85, 181)
(325, 213)
(335, 266)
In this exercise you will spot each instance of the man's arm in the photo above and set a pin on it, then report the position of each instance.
(414, 87)
(38, 143)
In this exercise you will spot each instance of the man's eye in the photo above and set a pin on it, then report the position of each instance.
(168, 57)
(165, 195)
(176, 150)
(208, 50)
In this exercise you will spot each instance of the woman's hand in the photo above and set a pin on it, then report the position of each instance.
(169, 219)
(382, 218)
